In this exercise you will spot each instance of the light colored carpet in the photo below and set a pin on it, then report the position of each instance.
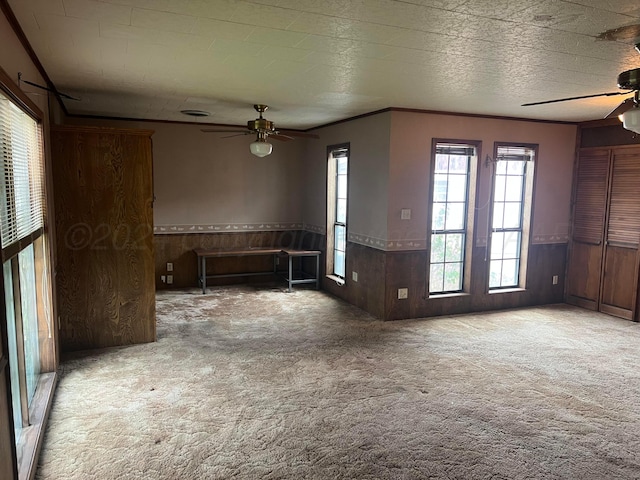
(255, 383)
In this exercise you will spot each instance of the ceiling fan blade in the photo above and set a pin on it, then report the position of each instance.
(609, 94)
(295, 133)
(48, 89)
(620, 109)
(236, 135)
(213, 130)
(281, 137)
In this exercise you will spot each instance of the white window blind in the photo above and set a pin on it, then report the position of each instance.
(21, 164)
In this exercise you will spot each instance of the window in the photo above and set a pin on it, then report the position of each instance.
(337, 194)
(27, 288)
(510, 215)
(454, 166)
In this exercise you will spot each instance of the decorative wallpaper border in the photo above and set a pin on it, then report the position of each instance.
(367, 241)
(310, 227)
(226, 227)
(399, 245)
(549, 239)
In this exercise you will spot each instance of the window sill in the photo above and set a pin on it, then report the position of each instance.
(507, 290)
(338, 280)
(28, 447)
(447, 295)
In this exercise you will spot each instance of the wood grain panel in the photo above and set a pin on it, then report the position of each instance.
(104, 227)
(408, 270)
(583, 273)
(619, 278)
(7, 455)
(591, 196)
(368, 292)
(178, 249)
(624, 211)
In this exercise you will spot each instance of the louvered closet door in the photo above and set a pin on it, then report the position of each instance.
(620, 274)
(590, 204)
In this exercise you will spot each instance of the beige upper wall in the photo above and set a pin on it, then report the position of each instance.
(411, 138)
(368, 177)
(14, 59)
(204, 182)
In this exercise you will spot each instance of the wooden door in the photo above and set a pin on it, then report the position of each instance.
(586, 249)
(104, 229)
(620, 272)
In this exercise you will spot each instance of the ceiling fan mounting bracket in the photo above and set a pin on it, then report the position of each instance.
(261, 124)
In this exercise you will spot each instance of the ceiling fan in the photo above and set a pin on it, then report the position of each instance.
(263, 129)
(628, 111)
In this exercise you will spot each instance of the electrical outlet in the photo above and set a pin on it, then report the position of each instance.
(169, 279)
(405, 214)
(403, 293)
(554, 280)
(169, 267)
(163, 279)
(354, 276)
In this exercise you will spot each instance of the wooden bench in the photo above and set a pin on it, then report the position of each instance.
(292, 277)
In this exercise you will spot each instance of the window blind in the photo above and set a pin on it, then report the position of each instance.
(22, 169)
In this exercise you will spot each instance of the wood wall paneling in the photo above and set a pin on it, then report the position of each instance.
(407, 269)
(368, 292)
(104, 227)
(8, 466)
(178, 249)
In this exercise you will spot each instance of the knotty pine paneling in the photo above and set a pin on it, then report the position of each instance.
(178, 249)
(103, 195)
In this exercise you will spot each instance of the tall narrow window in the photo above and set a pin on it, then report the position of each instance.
(453, 166)
(337, 193)
(26, 285)
(510, 215)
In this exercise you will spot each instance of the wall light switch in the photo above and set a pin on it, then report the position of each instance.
(554, 280)
(169, 267)
(405, 214)
(403, 293)
(354, 276)
(169, 279)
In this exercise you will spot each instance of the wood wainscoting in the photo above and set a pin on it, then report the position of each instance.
(178, 250)
(408, 270)
(381, 274)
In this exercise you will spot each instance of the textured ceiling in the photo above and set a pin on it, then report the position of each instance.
(317, 61)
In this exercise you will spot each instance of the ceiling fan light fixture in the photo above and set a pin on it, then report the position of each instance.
(261, 148)
(631, 119)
